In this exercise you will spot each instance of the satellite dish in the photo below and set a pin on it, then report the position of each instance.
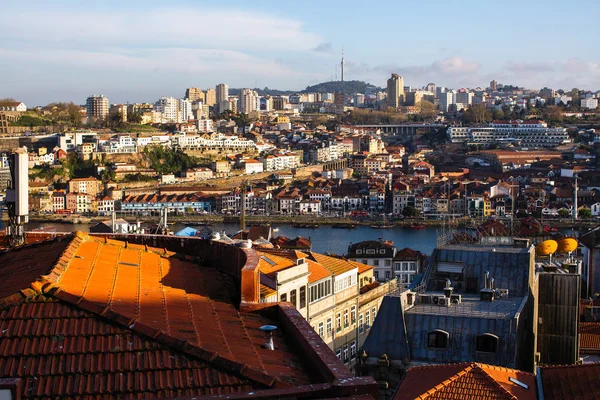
(546, 248)
(567, 245)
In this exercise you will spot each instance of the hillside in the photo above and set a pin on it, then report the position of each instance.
(347, 87)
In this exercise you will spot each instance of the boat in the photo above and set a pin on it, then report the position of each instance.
(310, 226)
(417, 226)
(344, 226)
(383, 226)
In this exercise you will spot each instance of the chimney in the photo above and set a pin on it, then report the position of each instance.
(268, 329)
(448, 289)
(487, 293)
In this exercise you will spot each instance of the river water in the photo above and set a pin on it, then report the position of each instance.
(324, 238)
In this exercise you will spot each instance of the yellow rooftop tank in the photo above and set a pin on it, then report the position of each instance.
(567, 245)
(546, 248)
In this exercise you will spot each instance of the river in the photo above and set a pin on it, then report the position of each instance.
(324, 239)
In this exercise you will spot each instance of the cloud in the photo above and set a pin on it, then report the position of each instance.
(323, 47)
(206, 28)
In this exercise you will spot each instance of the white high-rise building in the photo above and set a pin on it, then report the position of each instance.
(589, 103)
(222, 91)
(96, 106)
(186, 110)
(446, 100)
(359, 100)
(168, 107)
(247, 101)
(464, 97)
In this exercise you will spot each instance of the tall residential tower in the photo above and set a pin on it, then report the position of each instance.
(395, 91)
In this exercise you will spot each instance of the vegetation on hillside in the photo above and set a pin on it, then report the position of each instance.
(347, 87)
(168, 161)
(370, 117)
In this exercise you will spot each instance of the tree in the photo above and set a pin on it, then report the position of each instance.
(553, 114)
(410, 211)
(135, 118)
(563, 213)
(426, 109)
(585, 213)
(498, 114)
(477, 114)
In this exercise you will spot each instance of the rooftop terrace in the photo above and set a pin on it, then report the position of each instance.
(471, 307)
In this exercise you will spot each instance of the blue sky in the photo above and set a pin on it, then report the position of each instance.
(141, 50)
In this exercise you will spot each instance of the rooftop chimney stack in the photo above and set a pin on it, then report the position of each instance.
(268, 329)
(448, 289)
(487, 293)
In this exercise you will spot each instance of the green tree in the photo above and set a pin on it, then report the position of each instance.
(135, 118)
(477, 114)
(563, 213)
(585, 213)
(167, 161)
(553, 114)
(498, 114)
(410, 211)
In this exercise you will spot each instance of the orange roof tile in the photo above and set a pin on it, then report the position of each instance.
(465, 381)
(142, 291)
(589, 337)
(361, 267)
(270, 264)
(336, 265)
(573, 382)
(317, 271)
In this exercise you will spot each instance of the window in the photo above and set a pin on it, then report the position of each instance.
(321, 332)
(388, 263)
(437, 339)
(397, 267)
(381, 251)
(329, 330)
(346, 359)
(370, 251)
(302, 297)
(376, 274)
(374, 313)
(487, 343)
(366, 262)
(319, 291)
(338, 353)
(359, 251)
(387, 274)
(284, 297)
(412, 266)
(293, 297)
(338, 322)
(345, 318)
(404, 266)
(353, 350)
(367, 320)
(376, 263)
(353, 315)
(361, 326)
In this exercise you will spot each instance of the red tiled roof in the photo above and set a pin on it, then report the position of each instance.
(573, 382)
(589, 337)
(465, 381)
(91, 287)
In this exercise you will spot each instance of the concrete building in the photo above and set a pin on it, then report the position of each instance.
(589, 103)
(194, 94)
(168, 107)
(395, 91)
(247, 101)
(211, 97)
(446, 100)
(493, 86)
(89, 186)
(119, 109)
(96, 106)
(221, 93)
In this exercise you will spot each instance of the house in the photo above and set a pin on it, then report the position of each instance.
(108, 226)
(89, 185)
(13, 106)
(309, 207)
(126, 336)
(253, 166)
(467, 381)
(105, 205)
(407, 265)
(376, 253)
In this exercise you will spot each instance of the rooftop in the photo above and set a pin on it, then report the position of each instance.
(83, 315)
(470, 307)
(465, 381)
(573, 382)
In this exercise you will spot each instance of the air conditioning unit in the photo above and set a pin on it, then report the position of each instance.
(436, 299)
(425, 299)
(456, 299)
(443, 301)
(503, 292)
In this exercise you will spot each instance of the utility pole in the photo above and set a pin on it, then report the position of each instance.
(575, 200)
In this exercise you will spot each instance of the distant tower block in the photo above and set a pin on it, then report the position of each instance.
(17, 197)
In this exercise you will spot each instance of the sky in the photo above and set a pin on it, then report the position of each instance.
(138, 51)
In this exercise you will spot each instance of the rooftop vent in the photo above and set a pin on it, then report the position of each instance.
(268, 329)
(487, 293)
(448, 289)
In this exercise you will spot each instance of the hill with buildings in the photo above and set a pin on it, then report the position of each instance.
(347, 87)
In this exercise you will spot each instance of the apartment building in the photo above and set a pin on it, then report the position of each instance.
(530, 133)
(89, 186)
(276, 162)
(97, 106)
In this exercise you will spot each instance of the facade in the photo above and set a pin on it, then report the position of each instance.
(221, 93)
(97, 106)
(211, 97)
(276, 162)
(89, 186)
(150, 204)
(589, 103)
(395, 91)
(253, 166)
(168, 108)
(15, 106)
(194, 94)
(247, 101)
(526, 133)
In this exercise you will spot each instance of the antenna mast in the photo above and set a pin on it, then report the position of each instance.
(342, 64)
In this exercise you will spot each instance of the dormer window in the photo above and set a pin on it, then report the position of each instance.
(358, 251)
(382, 251)
(437, 339)
(487, 343)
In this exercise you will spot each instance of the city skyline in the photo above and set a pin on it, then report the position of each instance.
(138, 52)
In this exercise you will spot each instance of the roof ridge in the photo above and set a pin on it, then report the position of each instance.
(447, 382)
(498, 385)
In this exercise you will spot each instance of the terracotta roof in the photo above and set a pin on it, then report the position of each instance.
(269, 264)
(159, 325)
(336, 265)
(573, 382)
(589, 337)
(317, 271)
(361, 267)
(465, 381)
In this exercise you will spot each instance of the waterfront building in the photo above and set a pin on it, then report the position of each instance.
(152, 204)
(89, 186)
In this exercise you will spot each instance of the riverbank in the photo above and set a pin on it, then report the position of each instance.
(303, 220)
